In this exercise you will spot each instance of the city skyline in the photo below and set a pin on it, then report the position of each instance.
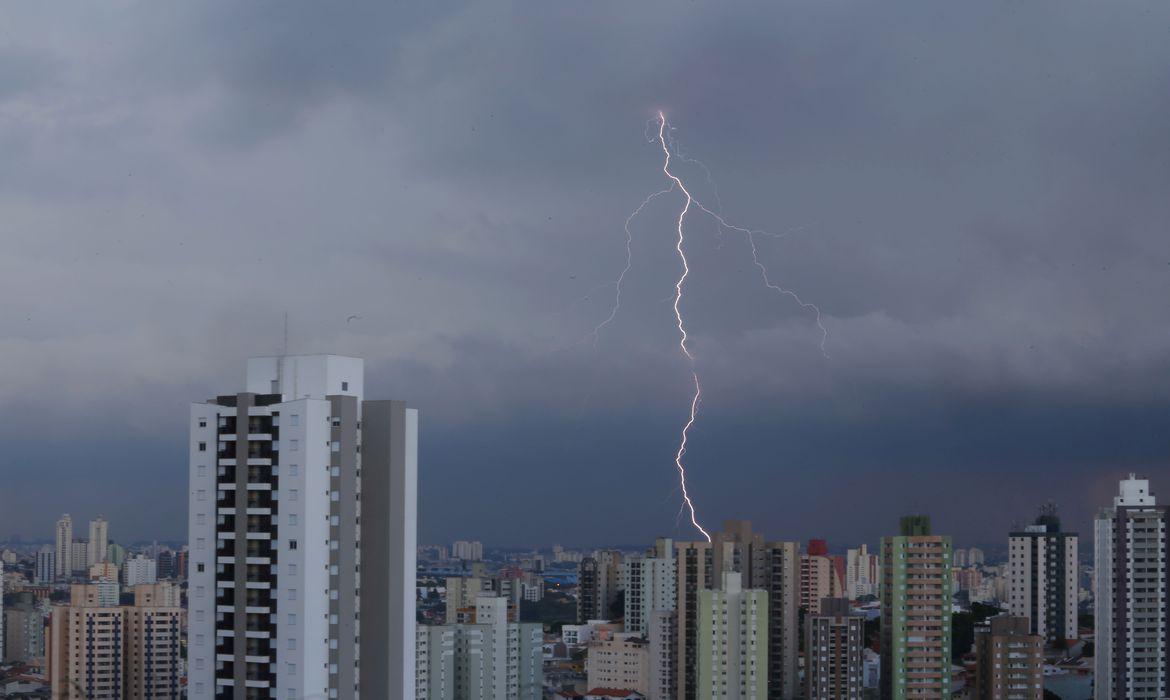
(988, 253)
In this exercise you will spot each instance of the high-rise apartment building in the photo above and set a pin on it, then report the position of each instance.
(64, 548)
(862, 572)
(46, 565)
(491, 659)
(1132, 552)
(662, 634)
(770, 566)
(1042, 573)
(599, 578)
(139, 569)
(467, 550)
(23, 629)
(649, 583)
(818, 577)
(98, 541)
(833, 661)
(621, 662)
(100, 650)
(733, 641)
(303, 498)
(916, 613)
(1009, 660)
(79, 558)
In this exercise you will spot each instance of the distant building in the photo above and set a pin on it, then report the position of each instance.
(862, 572)
(916, 612)
(104, 651)
(78, 558)
(64, 548)
(23, 629)
(770, 566)
(493, 659)
(98, 541)
(960, 558)
(467, 551)
(663, 653)
(733, 641)
(115, 553)
(1131, 547)
(818, 577)
(621, 662)
(975, 557)
(1009, 660)
(650, 586)
(46, 565)
(834, 642)
(139, 569)
(599, 580)
(103, 570)
(1043, 576)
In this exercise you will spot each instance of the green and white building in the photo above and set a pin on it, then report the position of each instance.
(733, 641)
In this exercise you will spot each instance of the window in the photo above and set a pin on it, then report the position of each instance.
(200, 591)
(293, 494)
(199, 568)
(345, 386)
(202, 422)
(295, 419)
(292, 669)
(292, 518)
(335, 446)
(292, 644)
(294, 444)
(201, 495)
(201, 518)
(292, 619)
(292, 544)
(201, 543)
(292, 569)
(293, 470)
(292, 594)
(202, 446)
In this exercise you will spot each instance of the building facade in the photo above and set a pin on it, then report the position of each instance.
(1042, 575)
(98, 541)
(1009, 660)
(303, 499)
(733, 641)
(916, 612)
(599, 580)
(621, 662)
(834, 644)
(64, 546)
(1132, 551)
(650, 585)
(862, 572)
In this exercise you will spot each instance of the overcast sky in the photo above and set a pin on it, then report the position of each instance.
(974, 194)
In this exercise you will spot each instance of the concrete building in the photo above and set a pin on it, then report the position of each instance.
(493, 659)
(663, 669)
(467, 551)
(103, 570)
(733, 641)
(833, 661)
(139, 569)
(862, 572)
(770, 566)
(599, 581)
(115, 554)
(975, 557)
(1131, 549)
(100, 650)
(23, 629)
(46, 565)
(916, 612)
(621, 662)
(650, 586)
(297, 484)
(64, 547)
(818, 577)
(1009, 660)
(1043, 575)
(98, 541)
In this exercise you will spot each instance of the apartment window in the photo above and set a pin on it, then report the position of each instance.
(201, 518)
(292, 594)
(292, 569)
(296, 419)
(201, 543)
(202, 446)
(335, 446)
(200, 591)
(199, 616)
(293, 494)
(292, 644)
(292, 619)
(199, 568)
(292, 544)
(202, 422)
(292, 669)
(294, 444)
(345, 386)
(292, 518)
(293, 470)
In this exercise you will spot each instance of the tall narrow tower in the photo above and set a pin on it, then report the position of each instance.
(303, 502)
(64, 548)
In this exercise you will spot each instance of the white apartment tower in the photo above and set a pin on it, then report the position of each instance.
(64, 549)
(1131, 548)
(302, 529)
(862, 572)
(98, 541)
(649, 584)
(1042, 573)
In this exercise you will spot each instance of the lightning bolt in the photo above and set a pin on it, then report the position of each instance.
(682, 343)
(617, 284)
(665, 141)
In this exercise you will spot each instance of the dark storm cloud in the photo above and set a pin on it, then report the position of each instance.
(974, 196)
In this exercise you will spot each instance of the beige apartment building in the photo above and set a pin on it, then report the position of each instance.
(621, 662)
